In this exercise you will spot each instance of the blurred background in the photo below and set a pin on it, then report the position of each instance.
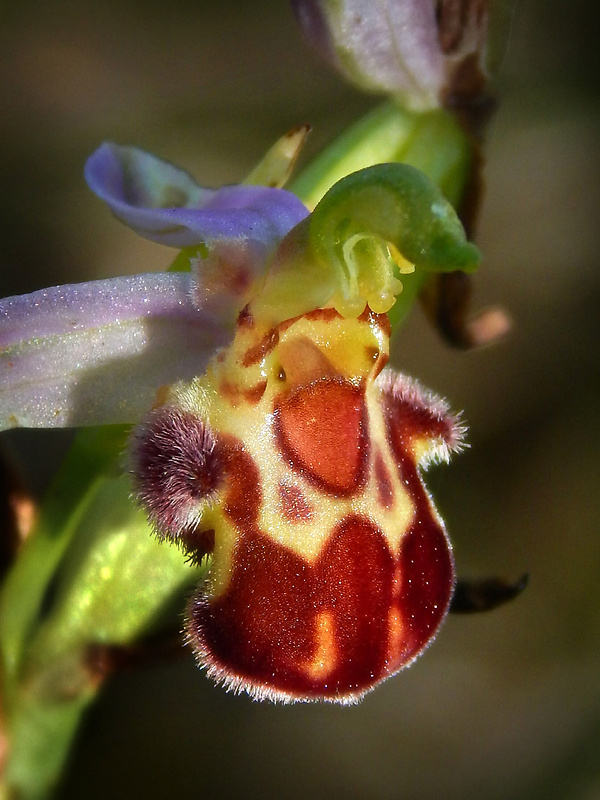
(505, 704)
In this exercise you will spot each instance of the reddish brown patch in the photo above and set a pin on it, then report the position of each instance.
(427, 570)
(322, 429)
(333, 628)
(385, 491)
(235, 395)
(293, 505)
(254, 394)
(381, 320)
(266, 630)
(415, 417)
(323, 314)
(256, 353)
(244, 496)
(266, 627)
(355, 574)
(426, 566)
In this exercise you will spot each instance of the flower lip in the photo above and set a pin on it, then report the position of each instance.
(164, 203)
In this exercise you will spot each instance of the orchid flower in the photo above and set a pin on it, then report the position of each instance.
(243, 398)
(271, 438)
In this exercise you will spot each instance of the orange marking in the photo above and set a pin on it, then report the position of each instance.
(326, 651)
(323, 431)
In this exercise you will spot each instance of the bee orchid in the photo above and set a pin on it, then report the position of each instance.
(269, 433)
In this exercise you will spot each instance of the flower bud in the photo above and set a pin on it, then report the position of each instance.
(420, 51)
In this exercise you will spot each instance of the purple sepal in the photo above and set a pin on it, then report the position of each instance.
(390, 46)
(96, 353)
(163, 203)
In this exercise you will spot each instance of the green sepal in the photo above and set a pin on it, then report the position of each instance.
(339, 255)
(400, 205)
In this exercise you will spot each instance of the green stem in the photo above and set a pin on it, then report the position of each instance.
(431, 141)
(42, 731)
(93, 455)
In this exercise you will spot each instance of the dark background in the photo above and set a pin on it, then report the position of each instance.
(504, 705)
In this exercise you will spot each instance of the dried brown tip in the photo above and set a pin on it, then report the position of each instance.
(472, 597)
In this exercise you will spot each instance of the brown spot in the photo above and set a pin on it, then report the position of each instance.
(322, 429)
(245, 318)
(385, 492)
(256, 353)
(371, 354)
(322, 314)
(236, 396)
(378, 358)
(298, 129)
(244, 496)
(293, 505)
(381, 320)
(254, 394)
(197, 544)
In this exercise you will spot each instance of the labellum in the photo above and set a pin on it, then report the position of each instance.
(296, 462)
